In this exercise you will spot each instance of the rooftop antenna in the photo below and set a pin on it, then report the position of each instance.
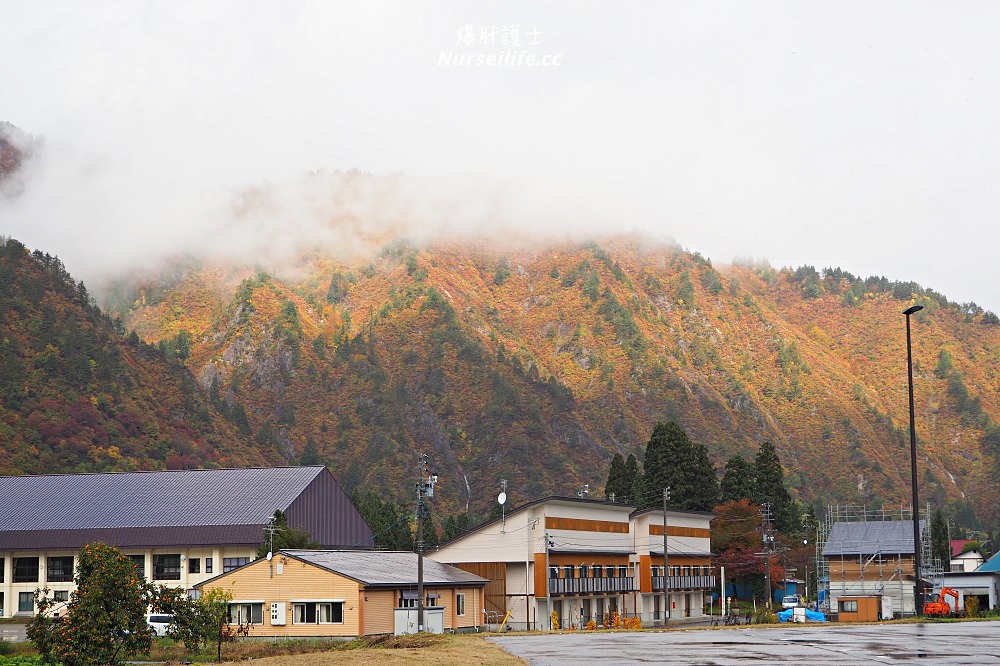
(502, 500)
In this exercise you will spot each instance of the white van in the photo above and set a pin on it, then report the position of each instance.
(159, 623)
(790, 601)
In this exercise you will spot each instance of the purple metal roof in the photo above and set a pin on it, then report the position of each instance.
(210, 506)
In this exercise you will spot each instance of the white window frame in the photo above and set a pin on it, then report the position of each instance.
(240, 604)
(460, 604)
(299, 610)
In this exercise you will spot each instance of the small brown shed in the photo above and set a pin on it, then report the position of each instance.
(859, 609)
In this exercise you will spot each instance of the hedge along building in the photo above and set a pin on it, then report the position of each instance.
(345, 594)
(583, 559)
(180, 527)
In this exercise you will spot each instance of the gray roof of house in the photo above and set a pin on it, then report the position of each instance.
(151, 508)
(385, 568)
(869, 538)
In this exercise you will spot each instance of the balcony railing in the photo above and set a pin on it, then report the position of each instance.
(685, 583)
(591, 585)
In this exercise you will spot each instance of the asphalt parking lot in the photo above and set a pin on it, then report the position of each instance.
(927, 643)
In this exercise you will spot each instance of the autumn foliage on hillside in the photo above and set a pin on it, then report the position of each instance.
(534, 364)
(537, 364)
(77, 394)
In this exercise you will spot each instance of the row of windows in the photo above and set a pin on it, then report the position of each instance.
(620, 571)
(684, 571)
(590, 571)
(316, 612)
(165, 567)
(26, 569)
(320, 612)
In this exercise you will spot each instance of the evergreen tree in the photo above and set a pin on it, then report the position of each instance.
(431, 539)
(284, 537)
(617, 488)
(769, 487)
(940, 545)
(673, 461)
(633, 479)
(390, 523)
(738, 481)
(310, 455)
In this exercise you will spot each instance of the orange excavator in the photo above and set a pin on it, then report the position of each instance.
(938, 606)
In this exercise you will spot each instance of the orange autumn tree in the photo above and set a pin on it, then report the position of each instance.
(105, 621)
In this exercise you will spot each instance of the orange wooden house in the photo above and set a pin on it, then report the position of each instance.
(347, 593)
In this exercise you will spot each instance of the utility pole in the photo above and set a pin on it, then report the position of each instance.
(425, 488)
(270, 544)
(768, 550)
(666, 559)
(548, 592)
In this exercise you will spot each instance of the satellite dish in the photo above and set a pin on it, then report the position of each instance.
(502, 498)
(269, 556)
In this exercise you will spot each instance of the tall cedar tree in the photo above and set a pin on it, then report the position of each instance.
(738, 481)
(770, 488)
(622, 479)
(633, 477)
(940, 545)
(616, 488)
(673, 461)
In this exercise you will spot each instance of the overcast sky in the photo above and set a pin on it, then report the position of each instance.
(855, 134)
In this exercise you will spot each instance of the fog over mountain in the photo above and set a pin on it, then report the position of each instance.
(843, 134)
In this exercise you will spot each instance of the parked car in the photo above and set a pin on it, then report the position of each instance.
(791, 601)
(159, 623)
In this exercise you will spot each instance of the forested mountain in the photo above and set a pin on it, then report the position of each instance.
(536, 365)
(77, 394)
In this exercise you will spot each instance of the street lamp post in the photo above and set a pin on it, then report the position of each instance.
(918, 592)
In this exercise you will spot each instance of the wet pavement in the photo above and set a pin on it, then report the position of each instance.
(13, 632)
(930, 643)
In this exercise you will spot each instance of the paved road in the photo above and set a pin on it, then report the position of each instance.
(13, 632)
(931, 643)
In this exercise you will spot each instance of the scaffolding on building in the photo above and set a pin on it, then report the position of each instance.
(880, 572)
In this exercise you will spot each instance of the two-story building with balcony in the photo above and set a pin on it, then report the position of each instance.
(584, 558)
(691, 579)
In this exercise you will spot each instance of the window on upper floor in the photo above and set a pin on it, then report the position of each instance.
(26, 570)
(60, 569)
(167, 567)
(568, 571)
(230, 563)
(194, 565)
(140, 564)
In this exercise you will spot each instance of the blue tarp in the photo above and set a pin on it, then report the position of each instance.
(811, 616)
